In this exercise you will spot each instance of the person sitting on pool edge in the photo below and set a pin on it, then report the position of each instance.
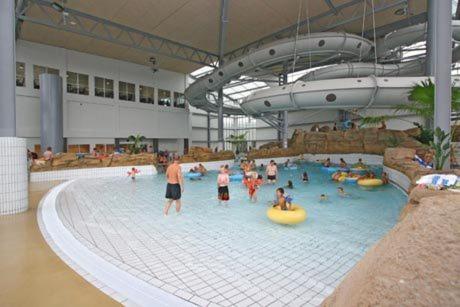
(305, 177)
(342, 163)
(360, 164)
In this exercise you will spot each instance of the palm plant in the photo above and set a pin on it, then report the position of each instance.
(239, 141)
(136, 143)
(421, 98)
(441, 147)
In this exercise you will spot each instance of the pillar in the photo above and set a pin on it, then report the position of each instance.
(443, 59)
(51, 122)
(430, 38)
(220, 119)
(13, 150)
(285, 129)
(208, 130)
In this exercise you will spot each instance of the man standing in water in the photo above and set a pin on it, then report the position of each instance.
(175, 186)
(271, 171)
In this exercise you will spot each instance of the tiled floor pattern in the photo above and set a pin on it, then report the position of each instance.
(207, 257)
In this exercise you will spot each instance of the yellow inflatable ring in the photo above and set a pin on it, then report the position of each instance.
(296, 215)
(342, 178)
(370, 182)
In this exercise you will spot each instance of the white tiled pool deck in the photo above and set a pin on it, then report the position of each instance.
(206, 260)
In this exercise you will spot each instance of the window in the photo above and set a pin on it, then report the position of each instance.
(164, 98)
(20, 74)
(38, 70)
(77, 83)
(146, 94)
(103, 87)
(126, 91)
(179, 100)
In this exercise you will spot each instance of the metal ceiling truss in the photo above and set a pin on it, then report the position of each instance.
(290, 31)
(103, 29)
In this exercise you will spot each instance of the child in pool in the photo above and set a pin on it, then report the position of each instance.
(323, 197)
(289, 185)
(305, 177)
(223, 180)
(341, 192)
(133, 173)
(385, 178)
(281, 200)
(253, 183)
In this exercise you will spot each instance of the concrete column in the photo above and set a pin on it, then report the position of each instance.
(431, 38)
(13, 151)
(7, 69)
(220, 119)
(443, 60)
(51, 122)
(283, 116)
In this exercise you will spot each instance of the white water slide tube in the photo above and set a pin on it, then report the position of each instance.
(321, 47)
(351, 85)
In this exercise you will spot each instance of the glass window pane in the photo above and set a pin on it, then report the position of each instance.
(108, 88)
(83, 84)
(72, 85)
(99, 87)
(52, 71)
(146, 94)
(37, 71)
(20, 74)
(121, 90)
(164, 97)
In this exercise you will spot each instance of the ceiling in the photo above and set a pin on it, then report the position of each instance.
(196, 23)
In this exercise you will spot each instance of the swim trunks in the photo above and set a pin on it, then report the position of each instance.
(173, 191)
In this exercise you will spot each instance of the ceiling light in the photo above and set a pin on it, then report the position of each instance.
(57, 7)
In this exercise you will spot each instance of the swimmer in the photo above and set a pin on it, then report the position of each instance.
(134, 171)
(360, 164)
(289, 185)
(385, 178)
(342, 163)
(305, 177)
(281, 200)
(323, 197)
(287, 163)
(271, 171)
(327, 162)
(201, 169)
(341, 192)
(223, 179)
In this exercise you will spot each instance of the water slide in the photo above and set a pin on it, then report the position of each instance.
(340, 86)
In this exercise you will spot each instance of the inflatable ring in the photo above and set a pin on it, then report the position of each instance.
(359, 170)
(330, 169)
(370, 182)
(236, 177)
(296, 215)
(193, 175)
(342, 178)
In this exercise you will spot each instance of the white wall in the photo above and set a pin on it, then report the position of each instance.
(95, 119)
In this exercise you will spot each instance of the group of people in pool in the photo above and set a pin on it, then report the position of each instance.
(369, 174)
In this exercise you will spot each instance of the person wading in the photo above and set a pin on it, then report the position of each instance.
(175, 186)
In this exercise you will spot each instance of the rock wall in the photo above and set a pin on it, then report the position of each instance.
(366, 141)
(72, 161)
(204, 154)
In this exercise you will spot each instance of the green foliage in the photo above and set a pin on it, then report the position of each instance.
(238, 140)
(372, 121)
(136, 143)
(441, 147)
(393, 141)
(426, 136)
(421, 98)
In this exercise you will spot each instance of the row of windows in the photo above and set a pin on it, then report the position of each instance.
(79, 84)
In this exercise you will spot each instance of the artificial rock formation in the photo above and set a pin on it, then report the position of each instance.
(204, 154)
(366, 141)
(416, 264)
(72, 161)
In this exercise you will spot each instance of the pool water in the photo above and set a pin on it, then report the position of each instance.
(231, 254)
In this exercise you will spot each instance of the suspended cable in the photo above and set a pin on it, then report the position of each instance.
(373, 25)
(362, 28)
(296, 36)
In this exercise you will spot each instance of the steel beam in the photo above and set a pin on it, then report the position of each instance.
(406, 22)
(220, 92)
(103, 29)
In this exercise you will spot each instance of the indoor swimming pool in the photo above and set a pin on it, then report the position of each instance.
(230, 254)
